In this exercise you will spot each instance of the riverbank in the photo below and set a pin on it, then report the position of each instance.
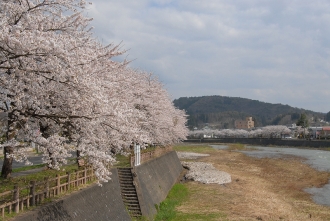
(261, 189)
(266, 142)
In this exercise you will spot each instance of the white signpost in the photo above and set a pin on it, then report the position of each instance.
(137, 153)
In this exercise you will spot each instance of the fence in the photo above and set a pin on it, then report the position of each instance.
(145, 156)
(36, 192)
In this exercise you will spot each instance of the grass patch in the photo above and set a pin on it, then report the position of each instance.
(123, 161)
(142, 218)
(193, 148)
(166, 210)
(22, 181)
(199, 217)
(182, 194)
(20, 169)
(237, 146)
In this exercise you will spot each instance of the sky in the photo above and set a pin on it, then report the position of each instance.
(275, 51)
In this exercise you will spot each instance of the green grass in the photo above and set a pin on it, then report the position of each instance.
(236, 146)
(123, 161)
(166, 210)
(194, 148)
(25, 168)
(177, 196)
(8, 184)
(199, 217)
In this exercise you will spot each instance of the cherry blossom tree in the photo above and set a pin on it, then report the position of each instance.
(57, 78)
(275, 131)
(46, 50)
(256, 133)
(160, 121)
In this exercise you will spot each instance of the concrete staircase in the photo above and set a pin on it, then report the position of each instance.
(128, 192)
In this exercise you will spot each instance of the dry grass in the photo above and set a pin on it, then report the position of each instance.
(261, 189)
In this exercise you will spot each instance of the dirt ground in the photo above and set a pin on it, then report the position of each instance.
(261, 189)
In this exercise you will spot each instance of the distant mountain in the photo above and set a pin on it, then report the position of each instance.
(220, 112)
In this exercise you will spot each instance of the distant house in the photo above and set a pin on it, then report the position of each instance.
(244, 124)
(315, 131)
(320, 132)
(325, 132)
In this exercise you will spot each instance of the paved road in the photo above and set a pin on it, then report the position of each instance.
(34, 159)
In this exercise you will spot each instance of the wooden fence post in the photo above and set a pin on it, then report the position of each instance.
(92, 173)
(85, 176)
(33, 192)
(21, 204)
(69, 180)
(77, 177)
(46, 187)
(16, 198)
(58, 184)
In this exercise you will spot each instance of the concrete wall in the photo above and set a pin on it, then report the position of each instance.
(93, 203)
(266, 142)
(155, 179)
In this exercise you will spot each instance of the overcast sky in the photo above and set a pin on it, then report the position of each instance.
(276, 51)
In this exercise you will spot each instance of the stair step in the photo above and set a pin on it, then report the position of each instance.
(128, 192)
(129, 187)
(125, 192)
(131, 202)
(133, 206)
(131, 199)
(126, 178)
(134, 210)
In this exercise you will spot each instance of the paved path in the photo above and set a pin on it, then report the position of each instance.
(35, 159)
(27, 172)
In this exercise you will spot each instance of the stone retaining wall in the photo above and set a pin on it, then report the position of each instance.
(153, 179)
(92, 203)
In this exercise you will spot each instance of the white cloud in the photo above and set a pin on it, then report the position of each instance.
(275, 51)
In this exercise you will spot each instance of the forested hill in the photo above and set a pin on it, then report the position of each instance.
(221, 112)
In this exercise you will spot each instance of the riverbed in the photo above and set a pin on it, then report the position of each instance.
(318, 159)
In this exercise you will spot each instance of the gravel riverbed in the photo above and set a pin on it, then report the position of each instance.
(201, 171)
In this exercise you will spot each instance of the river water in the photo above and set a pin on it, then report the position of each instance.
(318, 159)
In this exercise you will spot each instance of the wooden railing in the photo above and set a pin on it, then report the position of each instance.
(36, 192)
(148, 155)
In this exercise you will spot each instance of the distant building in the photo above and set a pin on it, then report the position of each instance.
(325, 132)
(320, 132)
(315, 132)
(244, 124)
(292, 126)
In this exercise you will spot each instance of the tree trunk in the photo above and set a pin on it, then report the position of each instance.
(11, 134)
(80, 161)
(7, 162)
